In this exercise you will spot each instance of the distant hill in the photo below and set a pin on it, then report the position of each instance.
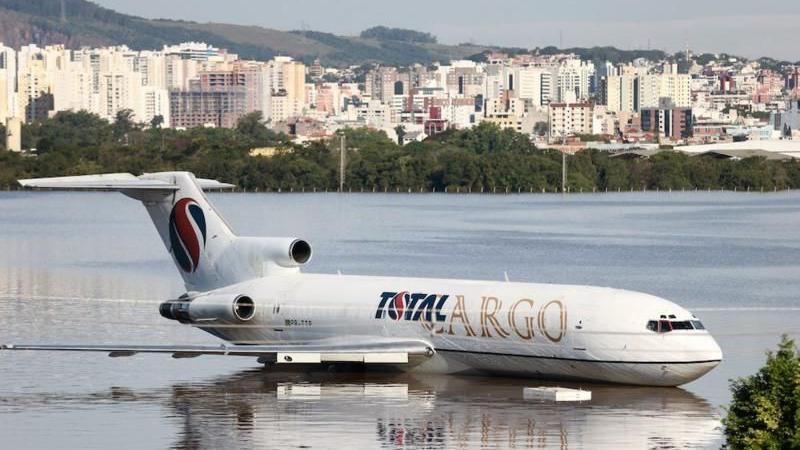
(83, 23)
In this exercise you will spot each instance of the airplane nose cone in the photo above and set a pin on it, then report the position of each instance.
(714, 351)
(707, 356)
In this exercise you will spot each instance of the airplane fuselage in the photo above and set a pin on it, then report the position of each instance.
(537, 330)
(249, 291)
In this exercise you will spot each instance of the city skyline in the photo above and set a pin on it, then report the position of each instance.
(749, 29)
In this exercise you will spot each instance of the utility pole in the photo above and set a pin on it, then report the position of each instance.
(341, 162)
(564, 163)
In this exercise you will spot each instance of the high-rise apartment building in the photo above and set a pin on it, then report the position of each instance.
(384, 83)
(108, 80)
(8, 82)
(119, 91)
(34, 82)
(653, 88)
(289, 83)
(222, 91)
(465, 81)
(203, 108)
(570, 118)
(622, 93)
(5, 101)
(667, 121)
(533, 84)
(574, 81)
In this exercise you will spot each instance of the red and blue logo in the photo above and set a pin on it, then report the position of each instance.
(187, 233)
(416, 306)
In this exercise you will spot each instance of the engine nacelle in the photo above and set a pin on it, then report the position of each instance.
(258, 254)
(218, 308)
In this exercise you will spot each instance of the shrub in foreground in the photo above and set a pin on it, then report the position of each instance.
(765, 411)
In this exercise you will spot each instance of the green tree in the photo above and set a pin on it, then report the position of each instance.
(67, 130)
(401, 134)
(124, 124)
(541, 128)
(254, 127)
(485, 156)
(157, 121)
(765, 411)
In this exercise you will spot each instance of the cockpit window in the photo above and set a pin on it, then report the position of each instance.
(681, 325)
(665, 326)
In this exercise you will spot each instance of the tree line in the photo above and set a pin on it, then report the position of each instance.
(484, 158)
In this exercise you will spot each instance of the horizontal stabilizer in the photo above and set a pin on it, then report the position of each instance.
(111, 181)
(115, 182)
(206, 184)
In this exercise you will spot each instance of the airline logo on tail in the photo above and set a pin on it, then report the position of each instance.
(187, 233)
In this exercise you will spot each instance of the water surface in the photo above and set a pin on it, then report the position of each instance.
(90, 268)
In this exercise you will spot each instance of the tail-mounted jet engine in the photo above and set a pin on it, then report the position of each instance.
(210, 309)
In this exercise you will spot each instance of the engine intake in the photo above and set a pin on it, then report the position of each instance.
(244, 308)
(300, 251)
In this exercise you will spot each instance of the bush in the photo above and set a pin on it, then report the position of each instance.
(765, 411)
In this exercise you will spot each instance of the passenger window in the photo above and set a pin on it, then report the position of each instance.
(681, 325)
(652, 326)
(698, 325)
(664, 326)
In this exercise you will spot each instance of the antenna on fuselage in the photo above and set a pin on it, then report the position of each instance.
(505, 274)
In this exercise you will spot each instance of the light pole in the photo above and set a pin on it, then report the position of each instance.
(341, 161)
(564, 163)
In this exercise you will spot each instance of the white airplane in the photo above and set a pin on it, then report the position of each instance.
(249, 292)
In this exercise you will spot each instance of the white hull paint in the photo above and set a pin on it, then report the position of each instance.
(647, 374)
(534, 330)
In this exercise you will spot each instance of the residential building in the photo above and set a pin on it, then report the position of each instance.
(8, 82)
(653, 88)
(667, 121)
(289, 82)
(384, 83)
(574, 81)
(570, 118)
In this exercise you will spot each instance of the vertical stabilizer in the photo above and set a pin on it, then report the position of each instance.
(205, 250)
(191, 229)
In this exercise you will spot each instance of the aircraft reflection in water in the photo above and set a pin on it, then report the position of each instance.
(265, 409)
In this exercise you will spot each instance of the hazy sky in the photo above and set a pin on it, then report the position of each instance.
(745, 27)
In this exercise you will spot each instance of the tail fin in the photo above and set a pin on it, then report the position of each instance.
(206, 251)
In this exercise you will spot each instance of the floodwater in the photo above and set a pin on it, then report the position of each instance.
(89, 268)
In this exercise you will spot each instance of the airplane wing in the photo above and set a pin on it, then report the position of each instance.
(380, 351)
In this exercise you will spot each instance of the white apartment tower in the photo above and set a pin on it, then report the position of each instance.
(622, 93)
(667, 85)
(534, 84)
(8, 82)
(574, 80)
(289, 83)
